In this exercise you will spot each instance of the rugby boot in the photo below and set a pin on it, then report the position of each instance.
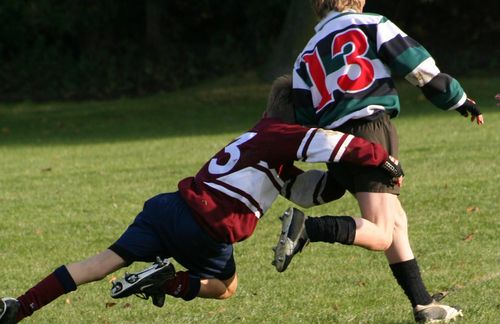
(436, 313)
(292, 239)
(146, 283)
(8, 310)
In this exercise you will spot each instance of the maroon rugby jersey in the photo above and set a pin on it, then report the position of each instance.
(239, 184)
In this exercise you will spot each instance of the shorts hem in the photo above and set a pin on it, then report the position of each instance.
(123, 253)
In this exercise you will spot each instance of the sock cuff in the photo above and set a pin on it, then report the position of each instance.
(64, 277)
(409, 267)
(347, 230)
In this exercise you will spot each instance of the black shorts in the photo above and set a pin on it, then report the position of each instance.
(166, 228)
(365, 179)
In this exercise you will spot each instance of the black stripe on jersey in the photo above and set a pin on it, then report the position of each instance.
(394, 47)
(302, 98)
(324, 46)
(338, 146)
(308, 142)
(303, 73)
(438, 85)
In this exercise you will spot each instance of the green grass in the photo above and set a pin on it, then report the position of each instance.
(73, 176)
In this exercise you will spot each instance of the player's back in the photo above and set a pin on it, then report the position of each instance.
(342, 71)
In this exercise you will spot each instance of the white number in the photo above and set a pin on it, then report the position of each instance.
(234, 155)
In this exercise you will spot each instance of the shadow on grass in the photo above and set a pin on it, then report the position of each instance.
(205, 110)
(225, 106)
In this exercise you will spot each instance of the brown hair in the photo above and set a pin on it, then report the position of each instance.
(323, 7)
(279, 102)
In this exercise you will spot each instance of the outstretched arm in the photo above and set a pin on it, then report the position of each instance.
(407, 58)
(317, 187)
(320, 145)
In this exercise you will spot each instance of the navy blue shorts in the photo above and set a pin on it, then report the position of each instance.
(166, 228)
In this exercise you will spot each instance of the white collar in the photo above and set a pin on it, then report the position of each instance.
(331, 15)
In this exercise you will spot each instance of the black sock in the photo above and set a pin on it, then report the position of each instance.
(331, 229)
(408, 276)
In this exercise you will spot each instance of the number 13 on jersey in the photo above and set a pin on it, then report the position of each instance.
(356, 73)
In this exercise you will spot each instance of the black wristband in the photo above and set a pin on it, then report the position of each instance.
(395, 170)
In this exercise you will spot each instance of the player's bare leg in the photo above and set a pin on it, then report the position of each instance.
(62, 281)
(96, 267)
(218, 289)
(386, 211)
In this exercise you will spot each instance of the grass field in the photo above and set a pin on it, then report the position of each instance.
(73, 176)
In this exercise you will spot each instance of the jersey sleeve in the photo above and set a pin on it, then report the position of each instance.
(320, 145)
(407, 58)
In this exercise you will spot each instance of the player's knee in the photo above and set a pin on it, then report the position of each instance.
(385, 243)
(381, 244)
(230, 292)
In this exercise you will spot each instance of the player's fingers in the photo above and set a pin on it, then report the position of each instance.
(480, 120)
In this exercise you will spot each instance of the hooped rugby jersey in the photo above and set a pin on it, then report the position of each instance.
(345, 70)
(239, 184)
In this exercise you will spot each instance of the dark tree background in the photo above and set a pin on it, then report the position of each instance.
(52, 49)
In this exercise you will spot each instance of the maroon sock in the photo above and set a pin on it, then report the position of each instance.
(53, 286)
(183, 285)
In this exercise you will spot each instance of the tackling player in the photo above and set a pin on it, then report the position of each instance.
(343, 80)
(221, 205)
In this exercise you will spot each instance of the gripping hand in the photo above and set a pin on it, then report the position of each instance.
(393, 167)
(470, 107)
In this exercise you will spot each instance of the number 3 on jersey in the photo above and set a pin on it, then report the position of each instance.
(234, 155)
(358, 71)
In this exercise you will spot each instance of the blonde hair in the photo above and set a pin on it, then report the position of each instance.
(323, 7)
(279, 102)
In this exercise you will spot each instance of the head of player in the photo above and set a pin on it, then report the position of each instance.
(323, 7)
(279, 102)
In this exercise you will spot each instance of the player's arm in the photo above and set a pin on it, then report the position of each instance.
(320, 145)
(407, 58)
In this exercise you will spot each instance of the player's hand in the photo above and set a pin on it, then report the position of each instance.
(393, 167)
(497, 97)
(471, 107)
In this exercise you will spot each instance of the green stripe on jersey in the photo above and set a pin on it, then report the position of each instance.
(450, 98)
(306, 116)
(407, 61)
(349, 106)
